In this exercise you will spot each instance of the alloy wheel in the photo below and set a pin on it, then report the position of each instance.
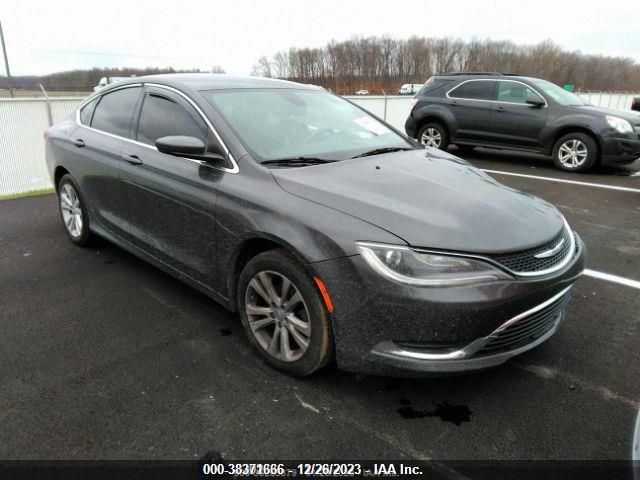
(572, 153)
(431, 137)
(278, 316)
(71, 210)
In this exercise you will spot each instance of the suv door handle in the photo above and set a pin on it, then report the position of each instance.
(454, 104)
(500, 109)
(78, 142)
(132, 159)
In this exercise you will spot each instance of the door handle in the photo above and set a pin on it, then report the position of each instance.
(78, 142)
(454, 104)
(500, 109)
(132, 159)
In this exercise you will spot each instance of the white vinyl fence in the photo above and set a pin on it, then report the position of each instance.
(24, 120)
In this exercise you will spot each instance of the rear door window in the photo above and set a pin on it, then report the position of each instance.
(114, 112)
(475, 90)
(162, 116)
(515, 92)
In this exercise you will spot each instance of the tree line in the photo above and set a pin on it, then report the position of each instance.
(85, 80)
(384, 63)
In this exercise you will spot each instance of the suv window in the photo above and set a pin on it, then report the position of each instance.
(475, 90)
(515, 92)
(114, 111)
(87, 112)
(433, 84)
(162, 116)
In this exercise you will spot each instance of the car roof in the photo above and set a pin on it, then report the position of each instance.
(212, 81)
(485, 76)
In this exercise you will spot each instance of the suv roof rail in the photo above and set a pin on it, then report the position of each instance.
(455, 74)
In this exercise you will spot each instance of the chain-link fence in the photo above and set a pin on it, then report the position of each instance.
(24, 120)
(22, 125)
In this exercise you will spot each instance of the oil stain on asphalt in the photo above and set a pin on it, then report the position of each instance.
(225, 332)
(457, 414)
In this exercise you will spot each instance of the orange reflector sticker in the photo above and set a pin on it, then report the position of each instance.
(325, 294)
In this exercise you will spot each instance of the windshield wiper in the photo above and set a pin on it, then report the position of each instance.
(380, 151)
(298, 161)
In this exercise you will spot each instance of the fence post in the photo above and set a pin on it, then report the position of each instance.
(384, 116)
(49, 115)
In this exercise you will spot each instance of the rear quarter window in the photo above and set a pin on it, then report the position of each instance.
(434, 84)
(87, 112)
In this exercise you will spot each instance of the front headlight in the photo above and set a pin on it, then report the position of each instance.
(620, 124)
(405, 265)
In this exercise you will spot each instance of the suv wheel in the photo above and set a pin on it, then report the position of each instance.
(433, 135)
(575, 152)
(283, 314)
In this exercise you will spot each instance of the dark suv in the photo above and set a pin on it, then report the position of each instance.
(522, 113)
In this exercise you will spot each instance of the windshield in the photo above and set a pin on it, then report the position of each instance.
(559, 95)
(289, 123)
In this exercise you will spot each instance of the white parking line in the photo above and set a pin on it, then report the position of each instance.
(572, 182)
(612, 278)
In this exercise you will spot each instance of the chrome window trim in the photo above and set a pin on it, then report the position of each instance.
(546, 104)
(539, 273)
(233, 169)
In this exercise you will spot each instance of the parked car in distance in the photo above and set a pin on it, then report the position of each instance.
(410, 88)
(635, 104)
(106, 81)
(362, 92)
(522, 113)
(330, 232)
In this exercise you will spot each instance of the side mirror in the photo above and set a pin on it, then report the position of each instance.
(180, 145)
(535, 101)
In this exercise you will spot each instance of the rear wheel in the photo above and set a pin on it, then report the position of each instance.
(283, 314)
(73, 211)
(575, 152)
(434, 135)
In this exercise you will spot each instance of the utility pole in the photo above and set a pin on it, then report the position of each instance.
(6, 62)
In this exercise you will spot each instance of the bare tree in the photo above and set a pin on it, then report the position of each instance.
(384, 63)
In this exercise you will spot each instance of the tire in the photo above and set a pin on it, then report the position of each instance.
(585, 152)
(73, 211)
(436, 132)
(310, 313)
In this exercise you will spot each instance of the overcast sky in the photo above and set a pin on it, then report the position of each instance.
(44, 36)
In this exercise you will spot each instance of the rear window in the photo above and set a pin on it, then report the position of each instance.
(114, 112)
(475, 90)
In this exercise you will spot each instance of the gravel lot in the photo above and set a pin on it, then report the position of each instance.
(104, 357)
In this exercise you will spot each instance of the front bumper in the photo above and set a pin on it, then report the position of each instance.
(386, 328)
(617, 149)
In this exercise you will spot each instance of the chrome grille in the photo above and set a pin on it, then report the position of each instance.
(526, 330)
(525, 261)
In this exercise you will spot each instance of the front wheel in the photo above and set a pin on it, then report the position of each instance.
(575, 152)
(283, 314)
(433, 135)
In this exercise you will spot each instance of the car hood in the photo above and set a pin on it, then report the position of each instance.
(629, 115)
(428, 199)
